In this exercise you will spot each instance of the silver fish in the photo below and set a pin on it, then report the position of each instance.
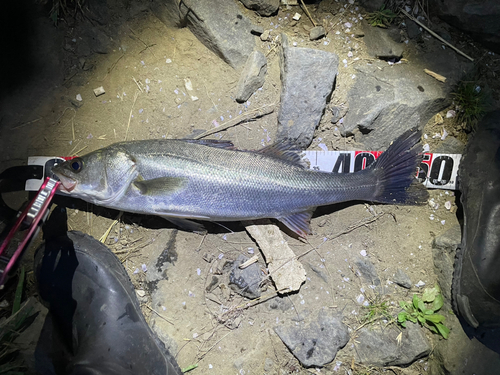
(211, 180)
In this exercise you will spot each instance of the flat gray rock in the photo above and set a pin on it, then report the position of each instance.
(451, 145)
(252, 77)
(387, 100)
(307, 77)
(378, 346)
(245, 281)
(262, 7)
(316, 340)
(402, 279)
(380, 43)
(220, 26)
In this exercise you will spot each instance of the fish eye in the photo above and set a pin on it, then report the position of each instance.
(76, 165)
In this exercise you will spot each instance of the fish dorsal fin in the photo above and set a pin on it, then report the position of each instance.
(162, 185)
(287, 151)
(212, 143)
(298, 223)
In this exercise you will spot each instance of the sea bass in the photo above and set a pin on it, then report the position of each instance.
(210, 180)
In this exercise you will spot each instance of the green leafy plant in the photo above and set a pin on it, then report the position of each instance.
(381, 18)
(423, 310)
(472, 102)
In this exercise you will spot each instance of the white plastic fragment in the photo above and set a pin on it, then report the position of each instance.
(451, 113)
(443, 222)
(420, 284)
(360, 299)
(144, 268)
(296, 16)
(363, 253)
(323, 146)
(427, 147)
(140, 292)
(444, 134)
(79, 97)
(447, 205)
(168, 61)
(99, 91)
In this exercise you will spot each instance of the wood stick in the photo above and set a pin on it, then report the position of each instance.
(307, 12)
(250, 115)
(434, 34)
(439, 77)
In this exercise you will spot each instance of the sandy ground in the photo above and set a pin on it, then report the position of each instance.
(143, 76)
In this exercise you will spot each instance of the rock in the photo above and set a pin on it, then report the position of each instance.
(307, 77)
(450, 145)
(412, 29)
(380, 43)
(252, 77)
(167, 11)
(220, 26)
(246, 281)
(262, 7)
(367, 271)
(257, 30)
(402, 279)
(265, 36)
(400, 96)
(371, 5)
(279, 302)
(477, 18)
(161, 254)
(378, 346)
(315, 341)
(317, 33)
(444, 248)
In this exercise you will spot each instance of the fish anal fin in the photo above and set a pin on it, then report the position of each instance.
(298, 222)
(187, 225)
(161, 185)
(285, 151)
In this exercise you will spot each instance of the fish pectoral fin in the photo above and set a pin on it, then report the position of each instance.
(161, 185)
(186, 224)
(298, 223)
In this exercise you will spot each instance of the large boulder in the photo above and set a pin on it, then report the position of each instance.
(480, 19)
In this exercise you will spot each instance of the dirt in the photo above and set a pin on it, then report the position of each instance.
(144, 75)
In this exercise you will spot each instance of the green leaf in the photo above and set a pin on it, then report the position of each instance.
(412, 319)
(432, 328)
(421, 306)
(416, 300)
(402, 304)
(402, 317)
(438, 302)
(428, 312)
(189, 368)
(443, 330)
(430, 294)
(435, 318)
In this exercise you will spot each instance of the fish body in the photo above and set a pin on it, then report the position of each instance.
(210, 180)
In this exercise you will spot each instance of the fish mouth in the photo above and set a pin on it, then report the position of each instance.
(67, 183)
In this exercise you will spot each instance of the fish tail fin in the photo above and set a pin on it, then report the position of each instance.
(395, 171)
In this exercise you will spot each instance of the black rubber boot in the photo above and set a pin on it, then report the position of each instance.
(476, 282)
(96, 324)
